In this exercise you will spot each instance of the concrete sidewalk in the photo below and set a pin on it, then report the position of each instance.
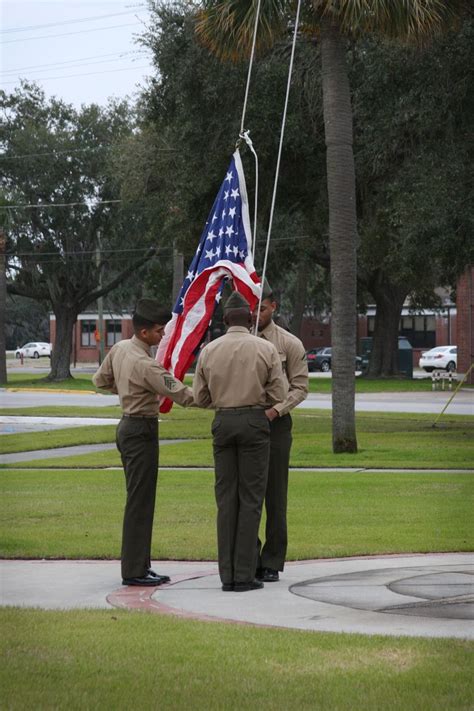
(416, 595)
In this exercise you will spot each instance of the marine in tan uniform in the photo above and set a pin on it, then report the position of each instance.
(271, 557)
(130, 371)
(240, 376)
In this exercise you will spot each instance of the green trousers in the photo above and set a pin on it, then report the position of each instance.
(273, 552)
(241, 454)
(137, 442)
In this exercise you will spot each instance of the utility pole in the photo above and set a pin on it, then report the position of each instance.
(3, 305)
(100, 304)
(178, 274)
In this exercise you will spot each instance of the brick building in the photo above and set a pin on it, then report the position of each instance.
(465, 318)
(423, 330)
(85, 346)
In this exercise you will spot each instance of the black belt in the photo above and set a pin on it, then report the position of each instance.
(142, 417)
(241, 409)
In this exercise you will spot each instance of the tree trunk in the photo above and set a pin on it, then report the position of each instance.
(342, 233)
(61, 357)
(3, 308)
(300, 299)
(389, 299)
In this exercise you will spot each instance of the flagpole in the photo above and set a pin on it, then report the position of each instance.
(277, 171)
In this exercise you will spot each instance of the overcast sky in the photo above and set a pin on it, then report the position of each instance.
(81, 51)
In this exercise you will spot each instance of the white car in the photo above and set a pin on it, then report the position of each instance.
(34, 350)
(440, 358)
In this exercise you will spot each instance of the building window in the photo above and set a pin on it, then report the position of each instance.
(114, 332)
(419, 330)
(87, 334)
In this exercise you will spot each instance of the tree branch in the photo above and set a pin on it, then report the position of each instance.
(24, 291)
(118, 279)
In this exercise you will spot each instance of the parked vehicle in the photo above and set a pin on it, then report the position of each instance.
(439, 358)
(34, 350)
(320, 359)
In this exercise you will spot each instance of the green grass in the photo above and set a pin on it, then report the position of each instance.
(386, 440)
(316, 385)
(32, 382)
(179, 423)
(75, 514)
(83, 382)
(51, 439)
(62, 411)
(116, 659)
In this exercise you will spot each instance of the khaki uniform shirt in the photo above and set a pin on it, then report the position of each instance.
(130, 371)
(238, 370)
(294, 364)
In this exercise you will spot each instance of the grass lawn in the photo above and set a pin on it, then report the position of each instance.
(387, 440)
(75, 514)
(109, 659)
(316, 385)
(62, 411)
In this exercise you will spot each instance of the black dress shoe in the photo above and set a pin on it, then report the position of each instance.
(268, 575)
(146, 579)
(227, 587)
(245, 587)
(163, 578)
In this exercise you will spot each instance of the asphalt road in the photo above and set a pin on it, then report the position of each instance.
(463, 403)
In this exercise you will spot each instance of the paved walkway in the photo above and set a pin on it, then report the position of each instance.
(416, 595)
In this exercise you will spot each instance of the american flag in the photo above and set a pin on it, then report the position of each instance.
(224, 251)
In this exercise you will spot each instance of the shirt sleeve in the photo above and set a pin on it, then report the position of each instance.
(160, 381)
(104, 377)
(275, 387)
(202, 396)
(297, 374)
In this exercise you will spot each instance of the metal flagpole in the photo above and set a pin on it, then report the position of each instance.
(453, 395)
(277, 171)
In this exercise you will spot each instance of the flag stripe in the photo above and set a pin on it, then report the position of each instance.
(227, 231)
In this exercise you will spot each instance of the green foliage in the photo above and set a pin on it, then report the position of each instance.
(414, 152)
(56, 155)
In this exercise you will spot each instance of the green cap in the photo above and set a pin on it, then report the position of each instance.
(236, 301)
(152, 310)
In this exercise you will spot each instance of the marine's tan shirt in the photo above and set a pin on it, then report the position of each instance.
(294, 364)
(238, 370)
(130, 371)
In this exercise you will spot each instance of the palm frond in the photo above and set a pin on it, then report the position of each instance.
(409, 20)
(226, 27)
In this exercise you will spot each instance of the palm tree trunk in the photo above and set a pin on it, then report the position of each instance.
(342, 233)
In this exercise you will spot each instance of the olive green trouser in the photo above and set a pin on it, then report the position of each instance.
(273, 553)
(137, 442)
(241, 454)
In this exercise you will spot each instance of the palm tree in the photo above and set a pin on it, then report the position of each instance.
(226, 27)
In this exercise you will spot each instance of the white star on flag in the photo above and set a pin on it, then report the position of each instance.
(230, 237)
